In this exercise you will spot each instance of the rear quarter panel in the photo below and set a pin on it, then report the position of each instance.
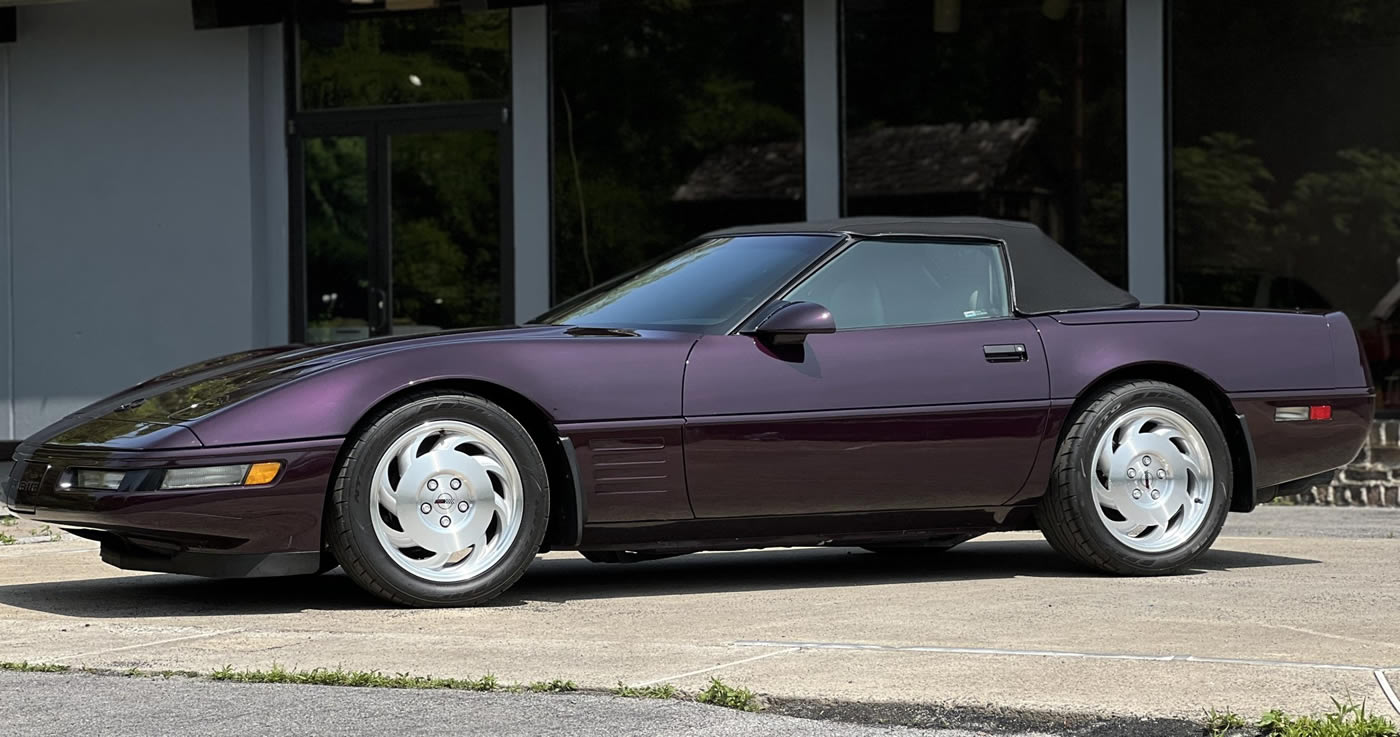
(1258, 360)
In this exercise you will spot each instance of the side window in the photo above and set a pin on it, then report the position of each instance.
(885, 283)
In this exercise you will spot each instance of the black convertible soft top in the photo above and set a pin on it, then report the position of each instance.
(1045, 278)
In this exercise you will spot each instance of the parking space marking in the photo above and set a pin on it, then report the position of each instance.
(718, 667)
(167, 641)
(1389, 692)
(1059, 654)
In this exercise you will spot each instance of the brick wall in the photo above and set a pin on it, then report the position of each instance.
(1372, 480)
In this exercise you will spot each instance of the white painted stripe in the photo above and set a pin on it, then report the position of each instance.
(1058, 654)
(718, 667)
(1388, 691)
(199, 636)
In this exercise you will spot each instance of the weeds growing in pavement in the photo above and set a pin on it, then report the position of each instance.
(1222, 722)
(25, 667)
(659, 691)
(719, 693)
(1345, 720)
(359, 678)
(554, 686)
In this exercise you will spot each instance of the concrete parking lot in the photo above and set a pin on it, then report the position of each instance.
(1294, 606)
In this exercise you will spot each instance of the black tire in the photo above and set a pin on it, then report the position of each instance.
(349, 530)
(927, 547)
(1068, 513)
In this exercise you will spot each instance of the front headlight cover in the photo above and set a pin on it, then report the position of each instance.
(95, 478)
(206, 477)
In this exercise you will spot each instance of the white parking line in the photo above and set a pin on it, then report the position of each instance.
(718, 667)
(1057, 654)
(199, 636)
(1389, 692)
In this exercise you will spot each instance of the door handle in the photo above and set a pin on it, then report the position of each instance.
(1005, 353)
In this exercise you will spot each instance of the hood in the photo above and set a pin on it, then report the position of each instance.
(188, 394)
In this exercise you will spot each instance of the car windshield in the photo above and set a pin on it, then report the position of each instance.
(706, 289)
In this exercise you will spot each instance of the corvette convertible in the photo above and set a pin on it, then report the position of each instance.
(899, 386)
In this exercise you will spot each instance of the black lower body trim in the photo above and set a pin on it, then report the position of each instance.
(211, 565)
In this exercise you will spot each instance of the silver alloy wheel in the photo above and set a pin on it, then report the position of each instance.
(1152, 479)
(447, 501)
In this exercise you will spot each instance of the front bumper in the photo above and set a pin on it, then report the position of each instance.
(273, 529)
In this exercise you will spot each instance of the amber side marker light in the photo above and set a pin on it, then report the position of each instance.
(262, 473)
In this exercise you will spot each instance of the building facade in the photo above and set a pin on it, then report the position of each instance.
(180, 180)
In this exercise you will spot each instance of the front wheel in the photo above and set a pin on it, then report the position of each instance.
(1141, 483)
(441, 501)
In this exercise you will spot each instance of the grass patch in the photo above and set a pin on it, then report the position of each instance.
(1222, 722)
(361, 679)
(6, 539)
(9, 521)
(24, 667)
(1345, 720)
(718, 693)
(659, 691)
(554, 686)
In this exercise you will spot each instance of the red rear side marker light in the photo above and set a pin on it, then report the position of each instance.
(1313, 413)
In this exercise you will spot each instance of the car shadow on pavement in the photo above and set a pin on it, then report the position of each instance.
(560, 580)
(757, 570)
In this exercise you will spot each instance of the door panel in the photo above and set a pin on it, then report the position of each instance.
(863, 420)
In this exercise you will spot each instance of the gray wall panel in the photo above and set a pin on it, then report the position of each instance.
(140, 205)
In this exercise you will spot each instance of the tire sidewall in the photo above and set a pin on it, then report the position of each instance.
(1082, 458)
(353, 493)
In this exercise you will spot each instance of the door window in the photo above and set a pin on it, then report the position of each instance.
(885, 283)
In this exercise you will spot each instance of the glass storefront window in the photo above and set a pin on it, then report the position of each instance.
(351, 60)
(1003, 108)
(670, 119)
(1286, 162)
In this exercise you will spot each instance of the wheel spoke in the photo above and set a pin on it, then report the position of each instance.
(385, 492)
(399, 538)
(409, 453)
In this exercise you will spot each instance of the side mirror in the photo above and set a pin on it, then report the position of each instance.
(794, 321)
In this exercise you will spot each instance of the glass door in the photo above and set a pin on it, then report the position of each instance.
(402, 222)
(444, 231)
(337, 240)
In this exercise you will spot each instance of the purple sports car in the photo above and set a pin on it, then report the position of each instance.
(896, 385)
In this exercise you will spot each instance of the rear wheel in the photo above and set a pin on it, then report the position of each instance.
(1141, 482)
(441, 501)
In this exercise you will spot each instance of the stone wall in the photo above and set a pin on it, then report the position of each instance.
(1372, 480)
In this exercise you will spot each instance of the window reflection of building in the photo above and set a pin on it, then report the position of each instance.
(1286, 161)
